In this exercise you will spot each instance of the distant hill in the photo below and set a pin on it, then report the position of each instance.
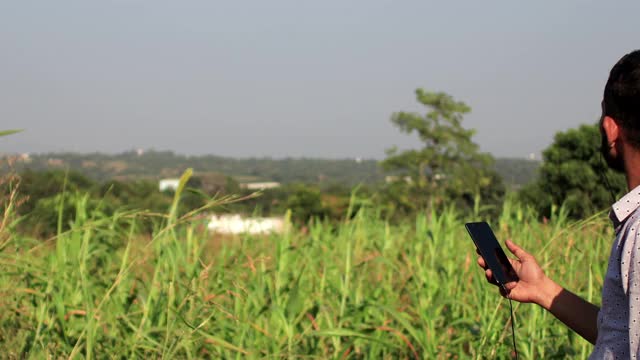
(166, 164)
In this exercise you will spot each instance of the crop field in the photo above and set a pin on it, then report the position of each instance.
(360, 289)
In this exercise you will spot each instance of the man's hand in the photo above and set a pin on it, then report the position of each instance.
(533, 285)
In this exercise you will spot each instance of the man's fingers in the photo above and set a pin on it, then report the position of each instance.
(510, 285)
(515, 264)
(517, 250)
(489, 275)
(481, 262)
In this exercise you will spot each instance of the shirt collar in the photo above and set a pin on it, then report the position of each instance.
(624, 207)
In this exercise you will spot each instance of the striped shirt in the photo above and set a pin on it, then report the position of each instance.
(619, 316)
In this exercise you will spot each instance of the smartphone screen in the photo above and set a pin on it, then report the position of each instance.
(492, 252)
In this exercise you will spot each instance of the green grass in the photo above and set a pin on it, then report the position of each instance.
(359, 289)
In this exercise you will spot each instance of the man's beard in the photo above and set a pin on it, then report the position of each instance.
(615, 164)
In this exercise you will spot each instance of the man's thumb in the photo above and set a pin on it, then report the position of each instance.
(517, 250)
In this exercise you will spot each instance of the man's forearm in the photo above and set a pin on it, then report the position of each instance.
(575, 312)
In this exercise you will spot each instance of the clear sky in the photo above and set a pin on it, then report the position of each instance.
(299, 78)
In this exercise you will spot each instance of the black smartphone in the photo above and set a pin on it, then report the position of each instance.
(492, 252)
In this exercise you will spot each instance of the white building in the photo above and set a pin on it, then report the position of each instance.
(235, 224)
(168, 184)
(393, 178)
(260, 185)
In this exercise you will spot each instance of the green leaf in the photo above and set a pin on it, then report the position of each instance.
(9, 132)
(176, 197)
(342, 332)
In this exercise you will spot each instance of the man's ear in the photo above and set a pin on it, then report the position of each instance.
(611, 130)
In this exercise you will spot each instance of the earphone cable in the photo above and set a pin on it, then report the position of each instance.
(513, 328)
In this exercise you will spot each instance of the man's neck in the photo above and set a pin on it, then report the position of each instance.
(632, 167)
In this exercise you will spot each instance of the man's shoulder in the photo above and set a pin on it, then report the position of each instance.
(632, 223)
(630, 230)
(626, 207)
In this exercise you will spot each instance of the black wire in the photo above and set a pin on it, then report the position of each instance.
(513, 329)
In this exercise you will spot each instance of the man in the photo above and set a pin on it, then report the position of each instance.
(614, 328)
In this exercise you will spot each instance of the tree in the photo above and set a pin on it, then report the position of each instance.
(575, 175)
(449, 166)
(305, 202)
(36, 185)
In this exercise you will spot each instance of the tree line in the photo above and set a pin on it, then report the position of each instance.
(154, 165)
(448, 170)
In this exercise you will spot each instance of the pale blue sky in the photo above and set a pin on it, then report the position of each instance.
(299, 78)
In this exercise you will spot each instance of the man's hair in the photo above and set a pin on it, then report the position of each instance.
(622, 96)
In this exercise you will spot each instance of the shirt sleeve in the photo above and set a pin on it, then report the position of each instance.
(630, 272)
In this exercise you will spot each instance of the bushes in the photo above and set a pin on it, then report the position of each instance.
(51, 199)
